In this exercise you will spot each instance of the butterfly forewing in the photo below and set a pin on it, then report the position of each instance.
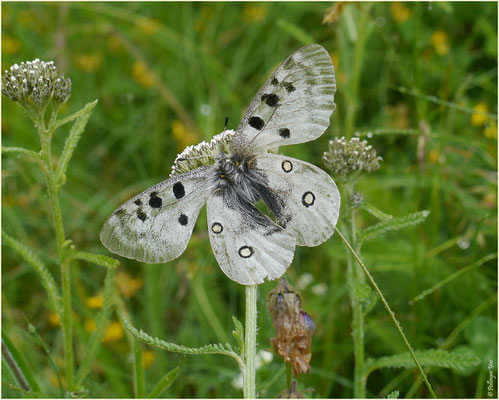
(294, 105)
(309, 197)
(155, 226)
(248, 249)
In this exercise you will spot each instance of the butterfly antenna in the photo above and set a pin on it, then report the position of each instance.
(226, 123)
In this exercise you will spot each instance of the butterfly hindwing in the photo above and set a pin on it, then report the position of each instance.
(156, 225)
(294, 105)
(309, 201)
(248, 246)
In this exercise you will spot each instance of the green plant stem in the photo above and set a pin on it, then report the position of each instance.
(392, 314)
(67, 328)
(355, 279)
(249, 384)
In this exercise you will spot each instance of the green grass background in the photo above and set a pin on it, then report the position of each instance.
(166, 76)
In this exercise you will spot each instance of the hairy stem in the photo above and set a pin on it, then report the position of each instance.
(46, 135)
(249, 384)
(355, 278)
(392, 314)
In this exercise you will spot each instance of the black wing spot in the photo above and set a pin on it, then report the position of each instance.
(289, 64)
(178, 190)
(271, 99)
(274, 82)
(183, 220)
(245, 252)
(289, 87)
(284, 132)
(138, 202)
(308, 199)
(155, 201)
(256, 122)
(141, 215)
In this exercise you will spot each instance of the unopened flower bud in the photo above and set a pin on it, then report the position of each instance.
(34, 83)
(345, 157)
(294, 327)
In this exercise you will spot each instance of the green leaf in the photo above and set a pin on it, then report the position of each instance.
(22, 151)
(163, 384)
(216, 348)
(71, 142)
(453, 276)
(392, 224)
(102, 320)
(393, 395)
(238, 334)
(363, 292)
(430, 358)
(98, 259)
(20, 368)
(374, 211)
(32, 259)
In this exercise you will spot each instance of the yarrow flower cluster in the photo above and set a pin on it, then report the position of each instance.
(202, 154)
(34, 83)
(345, 157)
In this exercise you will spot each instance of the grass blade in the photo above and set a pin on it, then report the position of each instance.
(98, 259)
(20, 368)
(138, 371)
(163, 384)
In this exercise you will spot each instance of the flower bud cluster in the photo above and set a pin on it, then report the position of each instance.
(35, 83)
(345, 157)
(203, 153)
(294, 327)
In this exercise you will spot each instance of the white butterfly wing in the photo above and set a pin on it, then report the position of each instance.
(247, 248)
(156, 225)
(294, 105)
(309, 199)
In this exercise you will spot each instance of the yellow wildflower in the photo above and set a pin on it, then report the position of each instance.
(95, 301)
(114, 44)
(490, 130)
(400, 12)
(90, 325)
(10, 45)
(439, 41)
(254, 12)
(149, 25)
(88, 62)
(148, 358)
(142, 74)
(127, 284)
(113, 332)
(433, 156)
(478, 118)
(54, 319)
(183, 135)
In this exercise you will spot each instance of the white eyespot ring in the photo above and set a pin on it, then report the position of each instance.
(217, 228)
(287, 166)
(245, 252)
(308, 199)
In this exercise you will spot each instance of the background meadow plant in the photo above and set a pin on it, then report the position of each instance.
(418, 81)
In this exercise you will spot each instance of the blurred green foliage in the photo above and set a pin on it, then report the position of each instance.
(418, 79)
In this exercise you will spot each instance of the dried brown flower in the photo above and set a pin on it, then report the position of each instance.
(294, 327)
